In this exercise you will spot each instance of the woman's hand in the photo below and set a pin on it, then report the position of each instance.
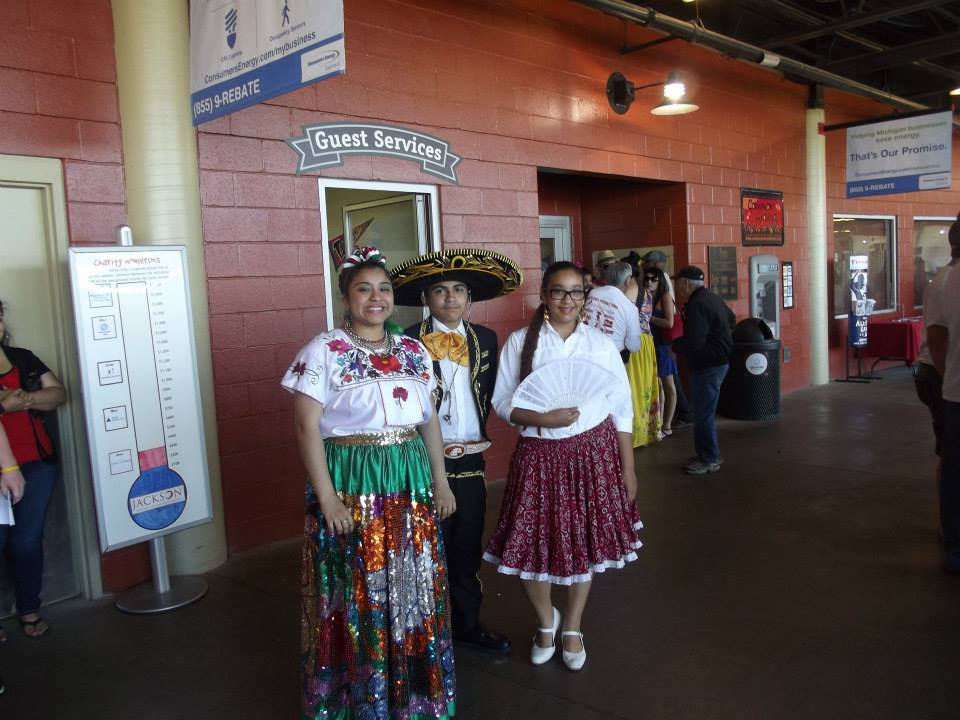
(338, 518)
(561, 417)
(12, 485)
(630, 483)
(15, 400)
(444, 500)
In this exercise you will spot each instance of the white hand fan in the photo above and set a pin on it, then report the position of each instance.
(563, 384)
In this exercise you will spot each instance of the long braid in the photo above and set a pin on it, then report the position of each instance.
(530, 343)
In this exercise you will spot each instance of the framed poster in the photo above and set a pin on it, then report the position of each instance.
(787, 284)
(723, 271)
(761, 216)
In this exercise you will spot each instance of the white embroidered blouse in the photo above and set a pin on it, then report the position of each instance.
(364, 392)
(584, 343)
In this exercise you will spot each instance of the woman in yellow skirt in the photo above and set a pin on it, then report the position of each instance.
(644, 384)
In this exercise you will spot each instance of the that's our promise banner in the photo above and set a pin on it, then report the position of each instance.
(896, 156)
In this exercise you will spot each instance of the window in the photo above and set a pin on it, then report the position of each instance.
(931, 251)
(873, 237)
(403, 220)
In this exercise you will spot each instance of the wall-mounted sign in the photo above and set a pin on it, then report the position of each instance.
(243, 52)
(860, 306)
(896, 156)
(787, 270)
(325, 145)
(761, 216)
(723, 271)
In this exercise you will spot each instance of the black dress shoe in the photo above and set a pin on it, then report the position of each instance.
(483, 639)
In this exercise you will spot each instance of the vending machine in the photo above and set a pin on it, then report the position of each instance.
(765, 290)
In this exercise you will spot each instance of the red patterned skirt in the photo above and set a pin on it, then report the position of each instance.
(565, 513)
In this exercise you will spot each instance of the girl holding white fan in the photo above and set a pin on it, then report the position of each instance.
(568, 507)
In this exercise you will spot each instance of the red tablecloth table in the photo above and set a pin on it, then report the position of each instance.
(894, 339)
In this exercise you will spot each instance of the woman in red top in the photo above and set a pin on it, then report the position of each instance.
(27, 386)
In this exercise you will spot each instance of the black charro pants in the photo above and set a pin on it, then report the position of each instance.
(462, 538)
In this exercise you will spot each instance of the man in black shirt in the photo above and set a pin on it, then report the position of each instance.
(706, 343)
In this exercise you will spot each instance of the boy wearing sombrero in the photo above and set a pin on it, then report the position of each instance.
(465, 363)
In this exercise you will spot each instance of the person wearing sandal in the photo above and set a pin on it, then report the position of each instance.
(664, 310)
(28, 387)
(567, 509)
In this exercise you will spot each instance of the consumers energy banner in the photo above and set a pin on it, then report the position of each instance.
(243, 52)
(897, 156)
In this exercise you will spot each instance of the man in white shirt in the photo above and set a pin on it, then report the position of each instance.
(949, 367)
(465, 357)
(612, 308)
(928, 380)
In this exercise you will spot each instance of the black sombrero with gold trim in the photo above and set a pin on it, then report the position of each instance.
(487, 274)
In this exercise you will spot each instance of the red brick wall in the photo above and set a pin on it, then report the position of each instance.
(58, 98)
(514, 86)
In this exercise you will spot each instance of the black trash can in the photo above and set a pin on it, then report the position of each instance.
(751, 390)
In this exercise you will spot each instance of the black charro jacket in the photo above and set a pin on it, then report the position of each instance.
(484, 356)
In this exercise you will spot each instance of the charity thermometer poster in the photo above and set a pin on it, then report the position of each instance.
(141, 392)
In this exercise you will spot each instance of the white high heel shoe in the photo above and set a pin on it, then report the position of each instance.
(574, 660)
(540, 655)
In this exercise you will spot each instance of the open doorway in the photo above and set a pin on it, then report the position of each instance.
(401, 219)
(607, 212)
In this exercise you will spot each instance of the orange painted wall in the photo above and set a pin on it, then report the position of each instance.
(517, 88)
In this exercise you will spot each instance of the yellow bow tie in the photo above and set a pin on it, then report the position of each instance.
(450, 345)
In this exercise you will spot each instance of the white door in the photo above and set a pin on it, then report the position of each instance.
(32, 285)
(554, 239)
(402, 220)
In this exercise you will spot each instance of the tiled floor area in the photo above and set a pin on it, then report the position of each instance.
(802, 581)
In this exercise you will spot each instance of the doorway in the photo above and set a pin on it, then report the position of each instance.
(554, 239)
(33, 244)
(401, 219)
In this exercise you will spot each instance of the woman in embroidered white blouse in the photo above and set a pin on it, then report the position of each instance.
(375, 632)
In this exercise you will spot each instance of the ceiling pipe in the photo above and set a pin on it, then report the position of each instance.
(744, 51)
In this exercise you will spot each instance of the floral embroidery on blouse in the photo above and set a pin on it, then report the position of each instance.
(406, 360)
(300, 369)
(401, 394)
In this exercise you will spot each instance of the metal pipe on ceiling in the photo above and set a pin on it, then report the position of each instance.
(740, 50)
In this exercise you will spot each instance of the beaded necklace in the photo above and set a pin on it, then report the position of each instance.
(382, 348)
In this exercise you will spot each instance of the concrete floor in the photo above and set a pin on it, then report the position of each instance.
(802, 581)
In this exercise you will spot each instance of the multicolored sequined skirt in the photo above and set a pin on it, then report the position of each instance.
(565, 514)
(375, 629)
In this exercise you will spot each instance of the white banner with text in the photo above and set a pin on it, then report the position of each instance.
(243, 52)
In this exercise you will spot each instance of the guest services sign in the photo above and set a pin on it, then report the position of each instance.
(243, 52)
(896, 156)
(325, 146)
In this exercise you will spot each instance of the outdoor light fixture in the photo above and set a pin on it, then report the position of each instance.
(955, 91)
(621, 93)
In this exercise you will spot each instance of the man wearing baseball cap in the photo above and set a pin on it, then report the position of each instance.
(706, 342)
